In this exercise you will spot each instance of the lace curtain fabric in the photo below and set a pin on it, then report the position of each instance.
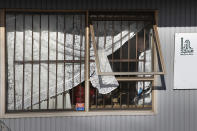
(44, 30)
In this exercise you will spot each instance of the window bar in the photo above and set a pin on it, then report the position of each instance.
(121, 63)
(103, 101)
(136, 55)
(104, 34)
(14, 63)
(80, 52)
(56, 61)
(154, 56)
(154, 60)
(128, 85)
(104, 48)
(112, 57)
(32, 68)
(87, 62)
(96, 98)
(39, 59)
(95, 58)
(70, 61)
(23, 90)
(125, 60)
(111, 100)
(112, 44)
(64, 60)
(73, 63)
(121, 45)
(88, 96)
(144, 65)
(48, 63)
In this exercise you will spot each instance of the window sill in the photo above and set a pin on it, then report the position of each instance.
(80, 113)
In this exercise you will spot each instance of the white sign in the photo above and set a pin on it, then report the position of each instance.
(185, 61)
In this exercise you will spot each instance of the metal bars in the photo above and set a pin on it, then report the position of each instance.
(124, 76)
(125, 95)
(40, 98)
(128, 73)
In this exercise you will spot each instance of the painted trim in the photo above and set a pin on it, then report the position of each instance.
(2, 62)
(77, 114)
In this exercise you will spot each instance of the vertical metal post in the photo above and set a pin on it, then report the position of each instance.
(96, 32)
(104, 48)
(23, 88)
(120, 85)
(104, 34)
(112, 57)
(144, 65)
(73, 63)
(48, 63)
(128, 84)
(32, 58)
(113, 45)
(87, 86)
(81, 40)
(39, 60)
(56, 62)
(64, 60)
(14, 70)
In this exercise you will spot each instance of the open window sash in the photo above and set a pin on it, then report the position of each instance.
(156, 50)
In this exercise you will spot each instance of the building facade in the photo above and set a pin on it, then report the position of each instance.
(176, 110)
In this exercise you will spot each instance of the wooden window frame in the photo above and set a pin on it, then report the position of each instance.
(3, 113)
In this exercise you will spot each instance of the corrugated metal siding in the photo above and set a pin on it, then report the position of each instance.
(172, 12)
(177, 109)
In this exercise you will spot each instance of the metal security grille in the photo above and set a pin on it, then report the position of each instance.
(130, 57)
(56, 60)
(41, 56)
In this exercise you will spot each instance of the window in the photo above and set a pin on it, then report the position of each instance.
(45, 57)
(124, 46)
(53, 63)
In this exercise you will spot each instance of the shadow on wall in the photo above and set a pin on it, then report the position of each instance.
(4, 127)
(163, 84)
